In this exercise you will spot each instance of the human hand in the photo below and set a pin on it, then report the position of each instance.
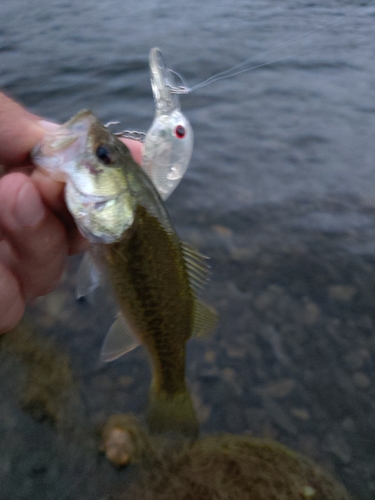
(36, 230)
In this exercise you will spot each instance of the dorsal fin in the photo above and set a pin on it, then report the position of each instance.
(197, 267)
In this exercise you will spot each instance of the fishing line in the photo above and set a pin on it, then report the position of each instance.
(239, 68)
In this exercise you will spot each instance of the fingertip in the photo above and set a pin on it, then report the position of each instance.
(135, 147)
(19, 130)
(29, 209)
(10, 184)
(21, 203)
(52, 191)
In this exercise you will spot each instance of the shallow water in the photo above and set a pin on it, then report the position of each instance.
(280, 194)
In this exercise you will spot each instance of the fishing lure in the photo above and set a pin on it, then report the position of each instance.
(168, 144)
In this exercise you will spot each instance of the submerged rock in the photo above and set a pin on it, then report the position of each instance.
(226, 467)
(124, 441)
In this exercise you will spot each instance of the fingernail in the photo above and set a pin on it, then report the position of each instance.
(49, 126)
(29, 209)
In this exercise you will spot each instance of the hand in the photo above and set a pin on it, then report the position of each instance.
(36, 230)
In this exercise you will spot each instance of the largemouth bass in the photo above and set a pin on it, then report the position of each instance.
(154, 276)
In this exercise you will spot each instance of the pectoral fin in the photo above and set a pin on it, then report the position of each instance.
(205, 319)
(119, 340)
(88, 276)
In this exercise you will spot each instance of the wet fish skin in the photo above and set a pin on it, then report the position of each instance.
(134, 244)
(147, 272)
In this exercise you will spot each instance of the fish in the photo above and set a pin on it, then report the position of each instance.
(155, 277)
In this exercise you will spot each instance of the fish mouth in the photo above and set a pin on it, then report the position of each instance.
(95, 201)
(87, 198)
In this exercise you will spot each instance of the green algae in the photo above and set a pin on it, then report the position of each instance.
(223, 467)
(48, 383)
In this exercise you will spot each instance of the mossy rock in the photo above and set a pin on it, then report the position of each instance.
(232, 468)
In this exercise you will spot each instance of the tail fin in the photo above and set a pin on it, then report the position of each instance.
(172, 413)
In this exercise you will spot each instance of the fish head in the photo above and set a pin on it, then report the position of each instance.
(92, 162)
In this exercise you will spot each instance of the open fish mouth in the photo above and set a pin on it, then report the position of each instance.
(95, 200)
(101, 219)
(82, 203)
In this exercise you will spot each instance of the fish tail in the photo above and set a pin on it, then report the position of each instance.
(172, 413)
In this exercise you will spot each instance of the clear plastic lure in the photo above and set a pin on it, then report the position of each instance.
(168, 144)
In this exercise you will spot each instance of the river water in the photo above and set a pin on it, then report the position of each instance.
(280, 194)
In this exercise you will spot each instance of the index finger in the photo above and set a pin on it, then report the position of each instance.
(20, 131)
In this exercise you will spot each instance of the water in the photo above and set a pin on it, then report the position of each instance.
(280, 193)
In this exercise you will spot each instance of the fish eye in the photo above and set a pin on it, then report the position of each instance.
(180, 131)
(103, 154)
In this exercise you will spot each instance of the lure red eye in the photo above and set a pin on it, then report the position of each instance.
(180, 131)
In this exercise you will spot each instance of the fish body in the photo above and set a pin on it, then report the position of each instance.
(154, 276)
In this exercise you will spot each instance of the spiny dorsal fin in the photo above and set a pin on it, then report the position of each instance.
(197, 267)
(205, 319)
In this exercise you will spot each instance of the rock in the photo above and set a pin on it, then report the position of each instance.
(279, 389)
(341, 293)
(278, 415)
(348, 425)
(203, 410)
(310, 313)
(210, 356)
(232, 467)
(361, 380)
(229, 374)
(308, 492)
(300, 413)
(125, 381)
(236, 352)
(263, 301)
(124, 440)
(355, 359)
(337, 445)
(223, 231)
